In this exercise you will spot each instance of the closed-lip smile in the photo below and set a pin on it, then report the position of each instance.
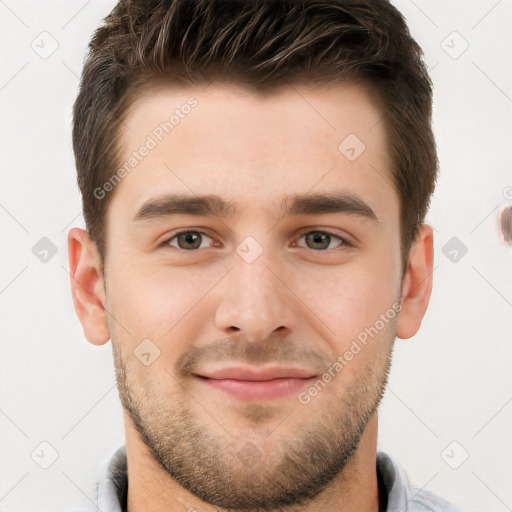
(256, 383)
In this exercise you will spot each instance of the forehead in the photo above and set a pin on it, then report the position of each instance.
(254, 148)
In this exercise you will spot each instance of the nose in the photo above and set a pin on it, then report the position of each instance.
(256, 300)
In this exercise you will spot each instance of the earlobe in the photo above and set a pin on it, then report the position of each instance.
(416, 284)
(87, 286)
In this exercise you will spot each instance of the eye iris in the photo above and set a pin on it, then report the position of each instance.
(188, 238)
(318, 238)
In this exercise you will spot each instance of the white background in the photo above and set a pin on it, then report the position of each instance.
(451, 382)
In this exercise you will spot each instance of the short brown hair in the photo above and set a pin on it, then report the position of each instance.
(262, 44)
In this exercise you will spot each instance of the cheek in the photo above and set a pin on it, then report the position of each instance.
(348, 299)
(157, 303)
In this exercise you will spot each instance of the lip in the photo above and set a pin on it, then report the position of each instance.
(254, 373)
(254, 383)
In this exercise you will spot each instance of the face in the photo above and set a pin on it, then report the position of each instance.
(252, 333)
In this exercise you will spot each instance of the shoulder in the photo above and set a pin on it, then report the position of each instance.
(404, 497)
(427, 501)
(109, 494)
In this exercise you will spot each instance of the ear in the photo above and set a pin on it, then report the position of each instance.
(416, 283)
(88, 286)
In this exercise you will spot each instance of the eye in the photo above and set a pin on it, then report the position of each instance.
(187, 240)
(320, 240)
(316, 240)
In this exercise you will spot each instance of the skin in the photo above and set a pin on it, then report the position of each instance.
(298, 303)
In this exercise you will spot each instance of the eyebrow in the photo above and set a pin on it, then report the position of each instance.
(214, 205)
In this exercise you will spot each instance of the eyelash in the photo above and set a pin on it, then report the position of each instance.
(344, 242)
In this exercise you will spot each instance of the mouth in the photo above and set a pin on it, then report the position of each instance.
(256, 383)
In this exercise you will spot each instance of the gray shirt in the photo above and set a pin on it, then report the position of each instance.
(112, 488)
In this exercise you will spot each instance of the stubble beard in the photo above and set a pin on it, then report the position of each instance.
(303, 464)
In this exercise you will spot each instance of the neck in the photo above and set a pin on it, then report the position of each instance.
(151, 489)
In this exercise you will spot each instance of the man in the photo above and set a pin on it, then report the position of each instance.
(255, 177)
